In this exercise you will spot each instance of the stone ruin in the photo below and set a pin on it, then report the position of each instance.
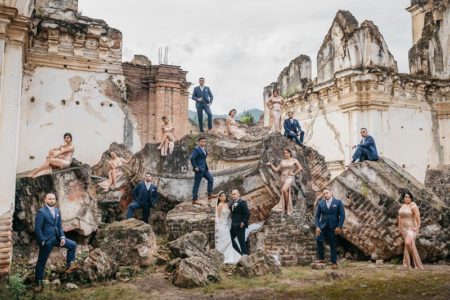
(370, 192)
(110, 246)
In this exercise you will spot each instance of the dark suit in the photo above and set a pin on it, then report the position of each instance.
(203, 105)
(327, 219)
(292, 129)
(49, 233)
(366, 150)
(198, 160)
(143, 198)
(239, 214)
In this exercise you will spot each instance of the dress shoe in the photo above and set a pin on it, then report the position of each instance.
(196, 202)
(334, 266)
(71, 268)
(211, 196)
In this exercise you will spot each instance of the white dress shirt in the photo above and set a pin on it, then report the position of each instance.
(52, 210)
(147, 185)
(329, 203)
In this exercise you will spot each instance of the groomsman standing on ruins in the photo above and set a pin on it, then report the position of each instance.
(203, 99)
(201, 170)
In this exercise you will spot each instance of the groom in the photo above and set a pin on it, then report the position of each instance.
(239, 221)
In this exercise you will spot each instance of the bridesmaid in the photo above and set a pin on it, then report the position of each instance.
(232, 128)
(289, 167)
(168, 137)
(115, 171)
(58, 158)
(409, 224)
(275, 104)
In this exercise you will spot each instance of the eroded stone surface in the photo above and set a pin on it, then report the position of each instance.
(74, 192)
(128, 242)
(372, 205)
(438, 180)
(258, 264)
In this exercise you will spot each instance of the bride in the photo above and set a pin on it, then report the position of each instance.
(223, 225)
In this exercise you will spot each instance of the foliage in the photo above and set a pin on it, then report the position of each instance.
(16, 288)
(247, 118)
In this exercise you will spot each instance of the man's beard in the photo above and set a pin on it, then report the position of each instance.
(51, 204)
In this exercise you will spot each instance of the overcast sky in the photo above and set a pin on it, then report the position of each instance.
(240, 46)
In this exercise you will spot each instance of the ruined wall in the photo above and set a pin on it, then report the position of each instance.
(87, 104)
(293, 79)
(349, 45)
(155, 91)
(430, 55)
(353, 90)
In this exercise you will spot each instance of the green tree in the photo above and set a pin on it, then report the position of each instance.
(247, 118)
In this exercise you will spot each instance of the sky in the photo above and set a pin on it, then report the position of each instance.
(240, 46)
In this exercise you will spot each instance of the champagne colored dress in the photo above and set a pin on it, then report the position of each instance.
(287, 167)
(276, 113)
(407, 223)
(234, 130)
(66, 158)
(115, 174)
(168, 143)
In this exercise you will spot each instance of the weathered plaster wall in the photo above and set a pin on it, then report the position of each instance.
(87, 104)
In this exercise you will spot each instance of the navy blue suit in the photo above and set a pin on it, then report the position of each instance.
(292, 129)
(203, 105)
(198, 161)
(366, 150)
(239, 214)
(143, 198)
(49, 233)
(327, 219)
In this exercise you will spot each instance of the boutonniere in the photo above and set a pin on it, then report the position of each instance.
(234, 206)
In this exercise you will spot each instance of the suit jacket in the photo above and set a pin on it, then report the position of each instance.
(291, 126)
(46, 226)
(147, 198)
(333, 216)
(198, 159)
(369, 144)
(239, 213)
(206, 95)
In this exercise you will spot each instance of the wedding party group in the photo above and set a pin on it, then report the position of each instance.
(232, 226)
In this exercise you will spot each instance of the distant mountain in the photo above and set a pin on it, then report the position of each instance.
(256, 113)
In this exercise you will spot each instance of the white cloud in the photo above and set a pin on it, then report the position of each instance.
(240, 46)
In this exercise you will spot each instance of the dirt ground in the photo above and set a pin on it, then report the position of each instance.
(353, 280)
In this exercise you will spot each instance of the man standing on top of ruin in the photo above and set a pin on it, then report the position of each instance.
(366, 149)
(203, 99)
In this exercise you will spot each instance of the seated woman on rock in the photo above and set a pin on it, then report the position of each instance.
(115, 172)
(232, 128)
(168, 137)
(58, 158)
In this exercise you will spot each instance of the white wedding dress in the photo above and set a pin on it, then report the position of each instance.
(223, 238)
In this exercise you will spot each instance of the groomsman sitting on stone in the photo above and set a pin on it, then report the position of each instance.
(366, 149)
(293, 130)
(50, 233)
(329, 219)
(145, 196)
(201, 170)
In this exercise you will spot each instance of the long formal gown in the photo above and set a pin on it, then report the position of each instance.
(287, 167)
(234, 130)
(115, 174)
(223, 238)
(276, 113)
(407, 223)
(168, 143)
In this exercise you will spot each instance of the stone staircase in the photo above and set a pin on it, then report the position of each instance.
(371, 192)
(5, 243)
